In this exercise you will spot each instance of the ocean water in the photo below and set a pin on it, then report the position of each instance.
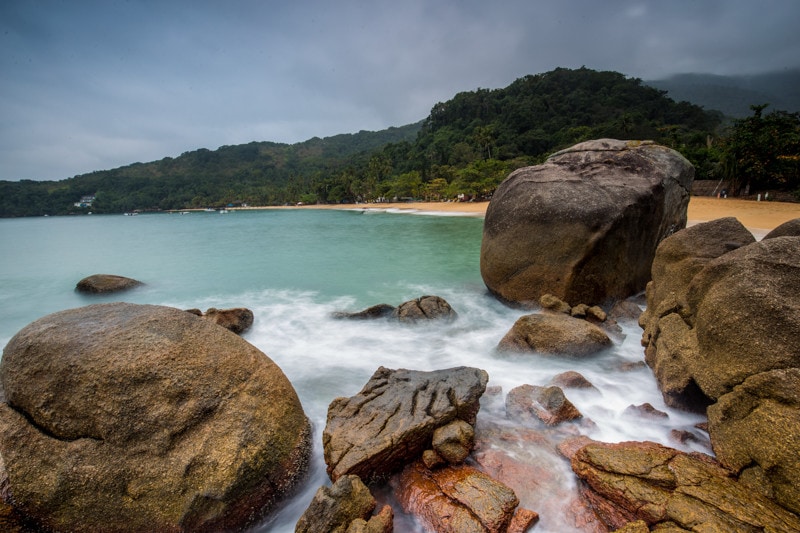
(294, 268)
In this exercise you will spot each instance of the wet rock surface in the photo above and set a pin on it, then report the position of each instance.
(391, 421)
(459, 499)
(345, 507)
(122, 417)
(527, 403)
(554, 334)
(666, 489)
(424, 308)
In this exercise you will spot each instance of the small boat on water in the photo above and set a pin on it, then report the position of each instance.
(131, 214)
(223, 211)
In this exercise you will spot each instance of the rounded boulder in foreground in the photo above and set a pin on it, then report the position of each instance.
(123, 417)
(584, 226)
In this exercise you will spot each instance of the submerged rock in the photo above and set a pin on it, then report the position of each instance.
(370, 313)
(424, 308)
(123, 417)
(547, 404)
(106, 283)
(392, 420)
(584, 225)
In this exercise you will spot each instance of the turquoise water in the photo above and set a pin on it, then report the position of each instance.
(294, 268)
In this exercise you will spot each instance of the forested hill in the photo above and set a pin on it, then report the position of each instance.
(466, 146)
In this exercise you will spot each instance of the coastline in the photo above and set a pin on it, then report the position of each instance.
(757, 216)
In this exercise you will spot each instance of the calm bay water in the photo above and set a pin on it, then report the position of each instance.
(293, 268)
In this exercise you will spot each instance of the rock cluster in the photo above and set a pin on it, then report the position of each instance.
(422, 308)
(584, 225)
(416, 429)
(391, 422)
(122, 417)
(722, 331)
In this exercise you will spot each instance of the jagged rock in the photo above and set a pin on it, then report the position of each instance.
(557, 334)
(391, 421)
(571, 380)
(790, 228)
(667, 489)
(454, 441)
(370, 313)
(584, 225)
(424, 308)
(552, 303)
(106, 283)
(237, 320)
(123, 417)
(382, 522)
(335, 509)
(756, 428)
(457, 499)
(548, 404)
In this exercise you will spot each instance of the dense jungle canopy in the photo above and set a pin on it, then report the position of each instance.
(464, 148)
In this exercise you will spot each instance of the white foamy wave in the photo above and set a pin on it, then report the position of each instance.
(325, 358)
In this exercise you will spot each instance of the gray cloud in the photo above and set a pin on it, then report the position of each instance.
(99, 84)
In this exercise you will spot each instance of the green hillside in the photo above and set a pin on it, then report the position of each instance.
(466, 146)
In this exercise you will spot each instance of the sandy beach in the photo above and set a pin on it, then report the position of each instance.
(757, 216)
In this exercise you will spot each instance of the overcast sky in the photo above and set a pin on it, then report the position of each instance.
(93, 85)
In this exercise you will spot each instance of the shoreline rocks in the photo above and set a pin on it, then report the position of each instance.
(123, 417)
(392, 420)
(584, 225)
(722, 334)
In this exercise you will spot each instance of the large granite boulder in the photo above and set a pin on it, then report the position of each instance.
(744, 309)
(391, 421)
(554, 334)
(106, 283)
(123, 417)
(670, 346)
(584, 225)
(755, 431)
(723, 325)
(672, 491)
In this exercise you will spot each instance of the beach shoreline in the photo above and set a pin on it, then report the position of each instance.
(756, 216)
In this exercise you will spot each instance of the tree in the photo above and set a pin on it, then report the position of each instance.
(761, 152)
